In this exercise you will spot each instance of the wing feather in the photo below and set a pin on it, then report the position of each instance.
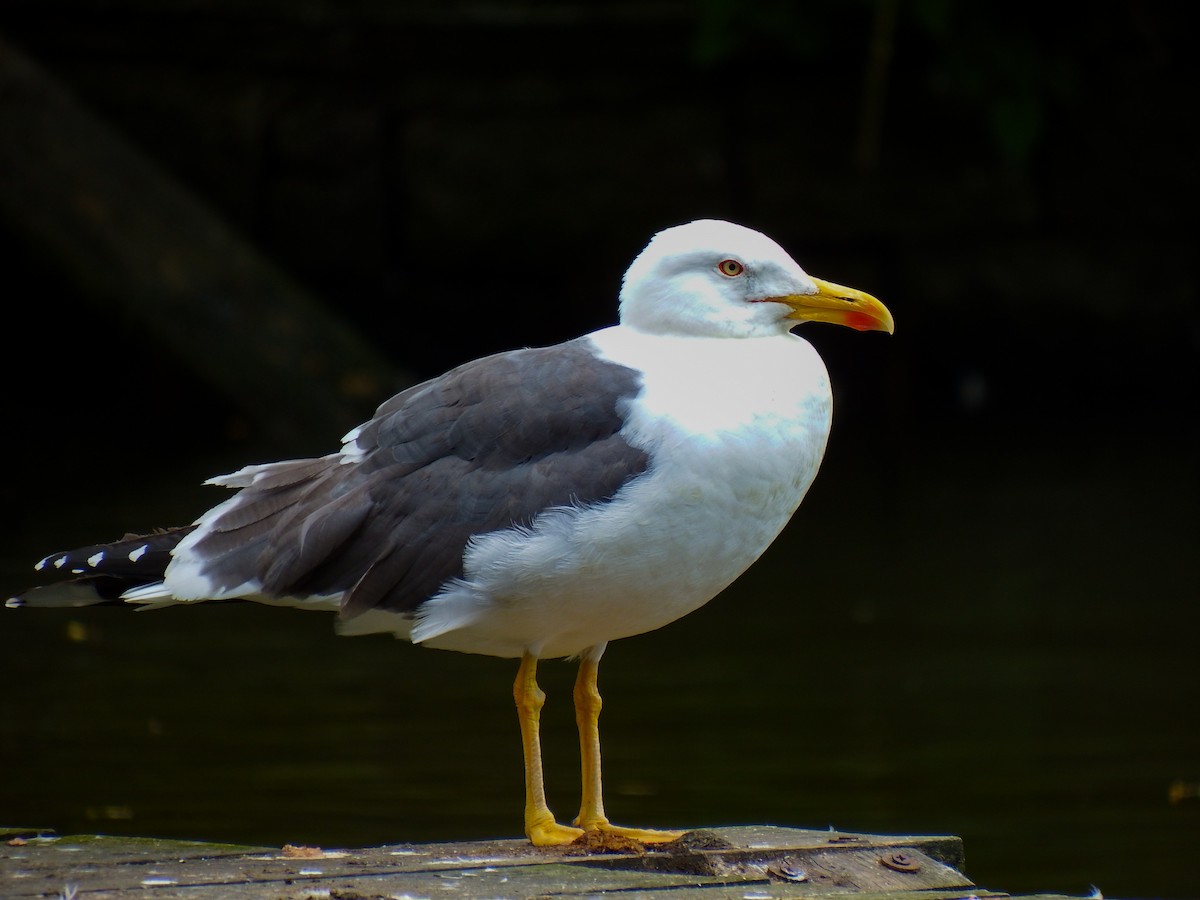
(486, 446)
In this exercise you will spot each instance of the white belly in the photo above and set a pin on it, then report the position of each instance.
(735, 429)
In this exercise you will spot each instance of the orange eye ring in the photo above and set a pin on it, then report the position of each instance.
(730, 268)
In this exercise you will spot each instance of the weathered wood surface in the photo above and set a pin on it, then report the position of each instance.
(742, 861)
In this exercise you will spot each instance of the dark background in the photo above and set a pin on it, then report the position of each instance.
(430, 182)
(457, 179)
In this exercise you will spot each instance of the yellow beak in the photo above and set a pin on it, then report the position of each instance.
(839, 306)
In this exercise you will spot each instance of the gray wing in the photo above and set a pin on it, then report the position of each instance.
(486, 446)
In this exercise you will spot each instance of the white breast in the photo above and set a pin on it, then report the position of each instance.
(735, 428)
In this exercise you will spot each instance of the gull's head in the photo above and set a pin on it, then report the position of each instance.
(713, 278)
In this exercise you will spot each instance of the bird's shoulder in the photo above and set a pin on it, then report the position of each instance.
(502, 408)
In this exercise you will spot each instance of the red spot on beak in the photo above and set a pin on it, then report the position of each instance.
(861, 322)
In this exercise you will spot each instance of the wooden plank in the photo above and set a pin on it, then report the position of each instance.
(749, 861)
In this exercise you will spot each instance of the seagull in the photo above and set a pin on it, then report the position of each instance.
(541, 502)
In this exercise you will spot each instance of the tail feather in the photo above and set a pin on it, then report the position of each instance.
(103, 571)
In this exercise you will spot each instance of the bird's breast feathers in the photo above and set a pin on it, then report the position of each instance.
(715, 386)
(735, 431)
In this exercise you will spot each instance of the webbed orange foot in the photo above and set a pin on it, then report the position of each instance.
(549, 833)
(642, 835)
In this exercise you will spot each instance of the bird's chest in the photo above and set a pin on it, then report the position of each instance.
(730, 463)
(734, 444)
(744, 413)
(734, 437)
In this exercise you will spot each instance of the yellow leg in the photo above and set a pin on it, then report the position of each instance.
(540, 826)
(587, 716)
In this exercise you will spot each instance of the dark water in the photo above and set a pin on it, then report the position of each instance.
(998, 646)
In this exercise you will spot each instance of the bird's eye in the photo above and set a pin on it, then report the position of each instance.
(730, 267)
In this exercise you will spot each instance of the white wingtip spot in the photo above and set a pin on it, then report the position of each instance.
(14, 603)
(95, 559)
(41, 564)
(135, 555)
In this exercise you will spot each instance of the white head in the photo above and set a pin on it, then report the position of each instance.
(713, 278)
